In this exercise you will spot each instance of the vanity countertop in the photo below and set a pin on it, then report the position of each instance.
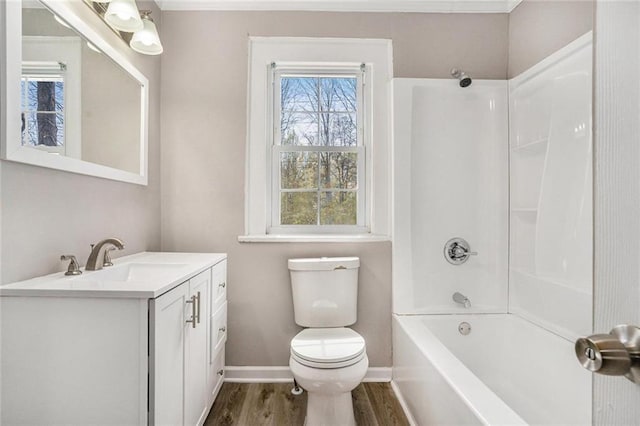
(142, 275)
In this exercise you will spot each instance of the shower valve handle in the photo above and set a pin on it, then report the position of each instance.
(457, 251)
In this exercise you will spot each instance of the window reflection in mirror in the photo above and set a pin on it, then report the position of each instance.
(75, 101)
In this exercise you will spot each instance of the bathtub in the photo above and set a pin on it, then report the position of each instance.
(506, 371)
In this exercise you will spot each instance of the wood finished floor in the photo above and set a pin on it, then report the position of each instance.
(257, 404)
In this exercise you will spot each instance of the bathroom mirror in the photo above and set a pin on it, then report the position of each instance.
(74, 102)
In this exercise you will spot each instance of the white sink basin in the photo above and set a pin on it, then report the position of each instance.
(133, 272)
(141, 276)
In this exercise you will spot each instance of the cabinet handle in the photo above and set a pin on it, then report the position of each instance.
(198, 305)
(222, 329)
(223, 285)
(220, 372)
(193, 311)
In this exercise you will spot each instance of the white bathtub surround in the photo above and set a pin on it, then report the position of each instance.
(450, 180)
(517, 367)
(550, 279)
(487, 377)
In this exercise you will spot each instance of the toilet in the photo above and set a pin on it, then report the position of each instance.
(328, 360)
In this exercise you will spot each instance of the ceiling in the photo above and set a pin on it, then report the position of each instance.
(421, 6)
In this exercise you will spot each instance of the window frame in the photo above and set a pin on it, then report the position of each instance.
(33, 71)
(39, 53)
(274, 225)
(377, 54)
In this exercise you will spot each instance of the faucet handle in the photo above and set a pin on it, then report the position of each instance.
(107, 257)
(74, 267)
(457, 251)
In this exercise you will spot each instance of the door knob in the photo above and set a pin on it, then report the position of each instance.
(613, 354)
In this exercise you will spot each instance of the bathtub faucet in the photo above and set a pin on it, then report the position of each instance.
(461, 299)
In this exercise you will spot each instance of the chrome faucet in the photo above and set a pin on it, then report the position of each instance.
(461, 299)
(97, 257)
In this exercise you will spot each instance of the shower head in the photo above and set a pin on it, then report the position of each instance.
(464, 79)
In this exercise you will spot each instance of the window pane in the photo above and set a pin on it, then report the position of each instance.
(47, 129)
(299, 170)
(338, 129)
(338, 208)
(299, 208)
(59, 88)
(339, 170)
(29, 129)
(338, 94)
(32, 95)
(60, 125)
(42, 128)
(299, 93)
(299, 129)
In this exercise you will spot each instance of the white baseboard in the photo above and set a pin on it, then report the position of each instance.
(403, 403)
(257, 374)
(378, 374)
(283, 374)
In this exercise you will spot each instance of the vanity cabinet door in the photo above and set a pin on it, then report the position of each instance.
(179, 360)
(197, 350)
(167, 336)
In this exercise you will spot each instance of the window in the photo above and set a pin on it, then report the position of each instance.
(318, 151)
(318, 164)
(43, 107)
(50, 94)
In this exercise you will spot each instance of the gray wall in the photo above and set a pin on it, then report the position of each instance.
(537, 28)
(109, 91)
(46, 212)
(204, 120)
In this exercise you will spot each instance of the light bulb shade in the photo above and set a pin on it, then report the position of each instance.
(123, 15)
(147, 40)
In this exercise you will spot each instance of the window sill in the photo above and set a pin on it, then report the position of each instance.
(329, 238)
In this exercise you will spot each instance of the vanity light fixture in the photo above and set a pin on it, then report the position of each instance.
(146, 40)
(123, 15)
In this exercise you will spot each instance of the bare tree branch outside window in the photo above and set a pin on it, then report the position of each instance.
(319, 111)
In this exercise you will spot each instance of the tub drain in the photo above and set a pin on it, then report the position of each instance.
(464, 328)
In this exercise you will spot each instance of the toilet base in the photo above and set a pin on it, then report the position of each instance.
(329, 400)
(329, 409)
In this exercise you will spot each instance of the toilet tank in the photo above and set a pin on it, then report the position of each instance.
(325, 291)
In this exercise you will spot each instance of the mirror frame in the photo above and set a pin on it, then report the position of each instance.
(10, 73)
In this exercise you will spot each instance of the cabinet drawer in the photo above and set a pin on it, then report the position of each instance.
(219, 285)
(219, 373)
(218, 331)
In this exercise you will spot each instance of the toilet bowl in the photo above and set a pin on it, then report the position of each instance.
(328, 363)
(328, 360)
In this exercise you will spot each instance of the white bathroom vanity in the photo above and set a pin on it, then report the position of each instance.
(141, 342)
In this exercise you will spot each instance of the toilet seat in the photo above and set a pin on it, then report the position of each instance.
(328, 347)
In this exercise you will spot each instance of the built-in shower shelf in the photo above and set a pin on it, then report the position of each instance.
(535, 147)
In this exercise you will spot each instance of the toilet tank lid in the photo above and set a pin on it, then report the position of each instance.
(324, 263)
